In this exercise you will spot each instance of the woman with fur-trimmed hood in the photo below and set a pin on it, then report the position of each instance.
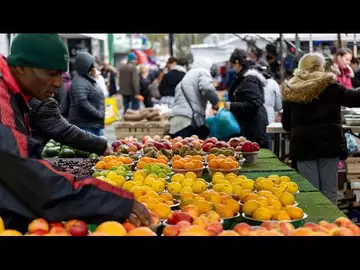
(311, 113)
(246, 96)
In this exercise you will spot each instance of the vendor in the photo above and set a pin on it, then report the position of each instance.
(30, 187)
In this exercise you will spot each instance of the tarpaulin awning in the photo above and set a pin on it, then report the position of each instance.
(142, 58)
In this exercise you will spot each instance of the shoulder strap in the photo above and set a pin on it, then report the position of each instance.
(187, 100)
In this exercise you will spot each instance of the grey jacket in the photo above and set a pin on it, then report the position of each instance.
(199, 89)
(87, 101)
(129, 80)
(273, 102)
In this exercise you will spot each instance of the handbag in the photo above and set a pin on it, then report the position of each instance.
(197, 121)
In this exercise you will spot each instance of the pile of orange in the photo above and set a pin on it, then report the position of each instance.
(162, 159)
(221, 162)
(188, 162)
(111, 161)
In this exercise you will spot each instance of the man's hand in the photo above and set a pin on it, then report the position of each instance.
(140, 215)
(109, 150)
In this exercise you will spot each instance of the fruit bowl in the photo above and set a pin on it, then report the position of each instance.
(198, 172)
(223, 171)
(250, 157)
(130, 166)
(296, 222)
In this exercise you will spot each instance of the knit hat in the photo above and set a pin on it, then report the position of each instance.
(131, 57)
(39, 51)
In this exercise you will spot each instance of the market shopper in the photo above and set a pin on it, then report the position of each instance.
(246, 99)
(87, 101)
(311, 113)
(30, 187)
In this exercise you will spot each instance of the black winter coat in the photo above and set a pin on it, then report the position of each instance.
(312, 115)
(47, 123)
(170, 81)
(246, 95)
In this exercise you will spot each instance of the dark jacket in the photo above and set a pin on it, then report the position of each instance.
(31, 188)
(246, 95)
(171, 80)
(110, 79)
(356, 80)
(87, 101)
(145, 91)
(311, 113)
(129, 80)
(47, 123)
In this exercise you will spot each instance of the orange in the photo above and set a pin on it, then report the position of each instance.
(127, 160)
(107, 158)
(176, 157)
(140, 165)
(163, 161)
(229, 159)
(110, 165)
(203, 206)
(177, 164)
(163, 210)
(226, 212)
(221, 156)
(225, 165)
(198, 164)
(189, 165)
(143, 199)
(167, 196)
(210, 157)
(213, 164)
(234, 164)
(111, 228)
(141, 231)
(163, 157)
(198, 157)
(100, 165)
(234, 205)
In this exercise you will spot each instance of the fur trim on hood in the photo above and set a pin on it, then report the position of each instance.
(305, 86)
(257, 74)
(179, 68)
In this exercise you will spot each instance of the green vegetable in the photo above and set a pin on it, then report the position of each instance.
(81, 153)
(93, 156)
(51, 151)
(66, 153)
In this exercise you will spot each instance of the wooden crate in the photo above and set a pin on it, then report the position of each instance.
(141, 129)
(353, 165)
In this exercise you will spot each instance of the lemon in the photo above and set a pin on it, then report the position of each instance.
(274, 176)
(249, 207)
(101, 178)
(218, 173)
(237, 189)
(118, 179)
(139, 173)
(148, 182)
(292, 187)
(224, 182)
(284, 179)
(218, 187)
(266, 184)
(112, 183)
(202, 180)
(163, 210)
(186, 195)
(276, 205)
(199, 187)
(110, 174)
(262, 213)
(262, 201)
(215, 198)
(238, 182)
(191, 175)
(295, 212)
(147, 188)
(152, 203)
(158, 186)
(287, 198)
(186, 189)
(106, 179)
(178, 177)
(188, 182)
(264, 193)
(282, 216)
(138, 191)
(217, 178)
(243, 194)
(139, 178)
(228, 189)
(283, 186)
(230, 176)
(138, 183)
(174, 188)
(128, 185)
(251, 196)
(248, 184)
(241, 177)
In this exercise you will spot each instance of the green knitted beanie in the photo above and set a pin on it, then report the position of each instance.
(46, 51)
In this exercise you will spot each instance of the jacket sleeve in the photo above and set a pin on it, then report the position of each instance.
(79, 93)
(58, 196)
(348, 97)
(53, 125)
(286, 117)
(278, 100)
(249, 101)
(163, 85)
(207, 89)
(136, 81)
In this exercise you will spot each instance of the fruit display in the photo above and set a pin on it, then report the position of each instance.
(210, 200)
(153, 152)
(116, 176)
(188, 164)
(126, 146)
(55, 149)
(79, 167)
(161, 161)
(186, 183)
(213, 142)
(159, 204)
(276, 184)
(111, 162)
(187, 146)
(222, 164)
(147, 182)
(183, 224)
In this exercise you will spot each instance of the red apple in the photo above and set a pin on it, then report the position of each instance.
(167, 145)
(207, 147)
(247, 147)
(60, 231)
(183, 225)
(255, 147)
(242, 228)
(192, 210)
(38, 224)
(234, 142)
(177, 216)
(210, 140)
(171, 230)
(138, 145)
(77, 228)
(56, 224)
(158, 145)
(40, 232)
(115, 145)
(221, 144)
(176, 145)
(145, 139)
(238, 148)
